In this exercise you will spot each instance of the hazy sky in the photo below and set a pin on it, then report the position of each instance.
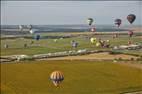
(68, 12)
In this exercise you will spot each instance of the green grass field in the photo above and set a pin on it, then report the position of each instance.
(81, 77)
(16, 46)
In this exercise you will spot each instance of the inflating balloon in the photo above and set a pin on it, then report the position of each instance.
(57, 77)
(90, 21)
(32, 31)
(55, 40)
(107, 40)
(118, 22)
(131, 18)
(75, 44)
(130, 33)
(129, 42)
(93, 40)
(98, 44)
(20, 27)
(29, 27)
(37, 37)
(93, 29)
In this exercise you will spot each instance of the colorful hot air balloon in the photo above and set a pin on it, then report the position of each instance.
(130, 33)
(118, 22)
(93, 29)
(131, 18)
(90, 21)
(57, 77)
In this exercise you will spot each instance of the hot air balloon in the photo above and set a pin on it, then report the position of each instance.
(57, 77)
(20, 27)
(32, 31)
(74, 44)
(129, 42)
(130, 33)
(93, 29)
(37, 37)
(90, 21)
(98, 44)
(118, 22)
(131, 18)
(29, 27)
(93, 40)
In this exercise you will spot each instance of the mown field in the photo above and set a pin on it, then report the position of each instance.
(16, 46)
(81, 77)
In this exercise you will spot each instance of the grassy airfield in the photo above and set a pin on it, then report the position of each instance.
(16, 46)
(81, 77)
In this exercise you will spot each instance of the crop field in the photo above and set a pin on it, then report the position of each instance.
(80, 77)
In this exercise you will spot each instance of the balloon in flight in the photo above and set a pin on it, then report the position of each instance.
(118, 22)
(131, 18)
(90, 21)
(57, 77)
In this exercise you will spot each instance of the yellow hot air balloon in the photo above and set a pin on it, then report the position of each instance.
(98, 44)
(93, 40)
(57, 77)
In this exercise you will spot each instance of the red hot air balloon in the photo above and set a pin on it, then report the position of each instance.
(131, 18)
(118, 22)
(130, 33)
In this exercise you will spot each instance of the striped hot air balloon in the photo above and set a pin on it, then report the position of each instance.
(57, 77)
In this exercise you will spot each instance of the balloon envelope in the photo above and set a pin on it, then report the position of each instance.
(93, 29)
(131, 18)
(93, 40)
(37, 37)
(98, 44)
(29, 27)
(90, 21)
(130, 33)
(57, 77)
(20, 27)
(118, 22)
(32, 31)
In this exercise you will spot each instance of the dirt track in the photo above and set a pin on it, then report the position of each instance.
(95, 56)
(102, 56)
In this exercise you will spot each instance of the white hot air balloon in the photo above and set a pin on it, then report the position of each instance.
(32, 31)
(20, 27)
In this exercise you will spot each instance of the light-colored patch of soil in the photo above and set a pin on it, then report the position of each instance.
(131, 64)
